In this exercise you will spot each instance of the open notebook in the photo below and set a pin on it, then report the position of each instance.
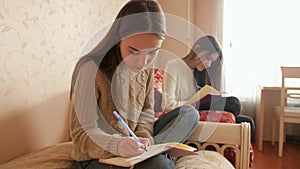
(205, 95)
(173, 148)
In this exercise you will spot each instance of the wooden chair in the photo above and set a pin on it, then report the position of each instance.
(286, 113)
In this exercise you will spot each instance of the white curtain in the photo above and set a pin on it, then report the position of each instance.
(259, 36)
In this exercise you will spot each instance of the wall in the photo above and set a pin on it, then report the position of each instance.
(209, 17)
(180, 20)
(41, 40)
(201, 17)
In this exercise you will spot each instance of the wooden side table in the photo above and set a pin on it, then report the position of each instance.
(269, 97)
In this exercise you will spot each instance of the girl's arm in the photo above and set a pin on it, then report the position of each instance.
(171, 96)
(90, 141)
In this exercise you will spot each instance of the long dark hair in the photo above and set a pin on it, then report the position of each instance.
(137, 16)
(211, 75)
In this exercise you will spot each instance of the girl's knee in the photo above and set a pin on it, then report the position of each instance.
(190, 111)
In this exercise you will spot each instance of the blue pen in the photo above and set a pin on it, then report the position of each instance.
(127, 128)
(198, 87)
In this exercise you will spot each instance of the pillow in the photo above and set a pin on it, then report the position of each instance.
(216, 116)
(204, 160)
(158, 76)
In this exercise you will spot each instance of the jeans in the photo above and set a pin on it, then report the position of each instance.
(176, 126)
(229, 104)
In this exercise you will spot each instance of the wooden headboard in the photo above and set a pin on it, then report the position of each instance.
(222, 136)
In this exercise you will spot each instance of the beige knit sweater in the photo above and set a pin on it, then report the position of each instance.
(92, 101)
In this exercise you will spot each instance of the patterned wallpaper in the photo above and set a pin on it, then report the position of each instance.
(41, 41)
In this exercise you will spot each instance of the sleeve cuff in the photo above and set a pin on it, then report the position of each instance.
(113, 144)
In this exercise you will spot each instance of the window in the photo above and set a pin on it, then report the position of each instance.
(259, 37)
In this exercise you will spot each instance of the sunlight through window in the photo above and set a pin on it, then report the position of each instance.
(259, 37)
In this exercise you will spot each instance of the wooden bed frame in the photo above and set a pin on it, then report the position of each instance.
(221, 136)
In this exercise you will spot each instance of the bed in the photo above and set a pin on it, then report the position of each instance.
(58, 156)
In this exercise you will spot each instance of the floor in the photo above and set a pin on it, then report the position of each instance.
(268, 158)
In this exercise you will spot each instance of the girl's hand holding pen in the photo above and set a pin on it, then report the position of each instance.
(145, 141)
(134, 147)
(129, 147)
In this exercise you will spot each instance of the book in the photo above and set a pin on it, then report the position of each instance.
(174, 149)
(205, 95)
